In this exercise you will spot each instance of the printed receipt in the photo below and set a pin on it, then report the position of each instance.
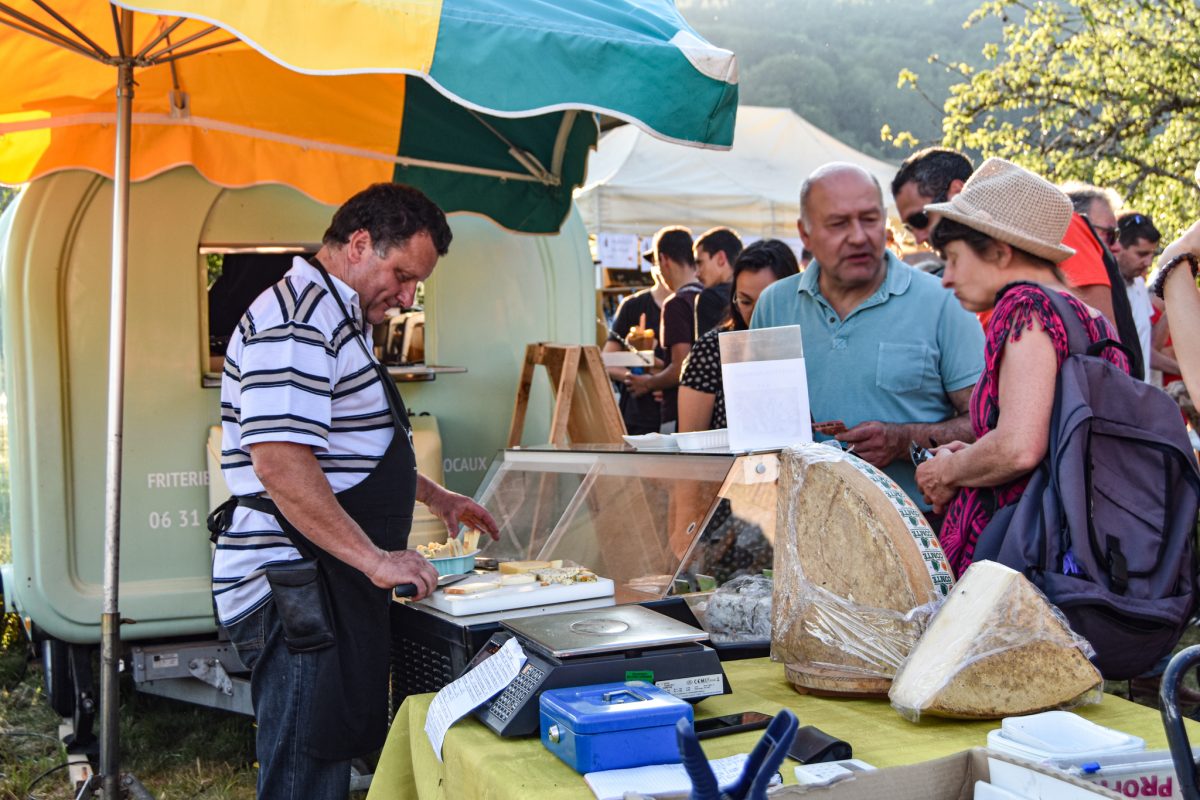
(459, 698)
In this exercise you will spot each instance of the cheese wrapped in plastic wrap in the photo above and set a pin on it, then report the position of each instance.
(740, 611)
(858, 573)
(996, 648)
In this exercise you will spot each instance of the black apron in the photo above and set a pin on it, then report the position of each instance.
(349, 709)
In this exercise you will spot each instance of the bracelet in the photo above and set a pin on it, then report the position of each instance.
(1160, 280)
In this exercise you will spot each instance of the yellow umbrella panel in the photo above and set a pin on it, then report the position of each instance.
(483, 105)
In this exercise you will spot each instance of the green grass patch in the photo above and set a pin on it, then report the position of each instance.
(28, 739)
(179, 751)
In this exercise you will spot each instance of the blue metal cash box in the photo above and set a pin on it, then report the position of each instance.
(612, 725)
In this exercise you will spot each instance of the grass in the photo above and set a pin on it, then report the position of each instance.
(179, 751)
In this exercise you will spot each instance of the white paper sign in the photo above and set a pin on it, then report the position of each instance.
(663, 780)
(618, 250)
(766, 403)
(459, 698)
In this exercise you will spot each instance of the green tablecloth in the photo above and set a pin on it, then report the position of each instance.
(479, 764)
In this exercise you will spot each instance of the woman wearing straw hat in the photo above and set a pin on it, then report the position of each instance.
(1004, 227)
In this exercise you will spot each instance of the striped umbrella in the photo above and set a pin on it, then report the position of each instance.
(484, 104)
(481, 103)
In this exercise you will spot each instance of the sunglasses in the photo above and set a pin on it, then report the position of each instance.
(1131, 220)
(1109, 235)
(919, 221)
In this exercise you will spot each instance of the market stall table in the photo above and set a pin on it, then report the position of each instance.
(477, 763)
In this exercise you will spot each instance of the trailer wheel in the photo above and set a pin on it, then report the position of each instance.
(56, 675)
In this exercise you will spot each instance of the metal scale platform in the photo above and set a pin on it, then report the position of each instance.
(583, 648)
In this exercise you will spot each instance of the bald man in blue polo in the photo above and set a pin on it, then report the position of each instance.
(888, 351)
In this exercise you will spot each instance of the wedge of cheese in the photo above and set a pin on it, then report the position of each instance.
(470, 540)
(515, 567)
(857, 570)
(564, 575)
(472, 588)
(996, 648)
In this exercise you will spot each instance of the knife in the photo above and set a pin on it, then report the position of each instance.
(410, 589)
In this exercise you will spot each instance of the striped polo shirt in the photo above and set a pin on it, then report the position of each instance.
(293, 373)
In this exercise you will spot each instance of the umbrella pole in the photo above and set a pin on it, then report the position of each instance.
(110, 622)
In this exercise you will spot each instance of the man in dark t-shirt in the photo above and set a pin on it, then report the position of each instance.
(673, 256)
(715, 252)
(641, 310)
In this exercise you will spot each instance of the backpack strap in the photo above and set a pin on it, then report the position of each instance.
(1122, 318)
(1078, 341)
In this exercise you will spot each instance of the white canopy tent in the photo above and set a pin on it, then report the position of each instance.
(637, 184)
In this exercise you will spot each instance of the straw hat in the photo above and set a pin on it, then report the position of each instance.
(1014, 206)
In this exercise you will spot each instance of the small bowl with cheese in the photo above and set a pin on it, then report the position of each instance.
(455, 556)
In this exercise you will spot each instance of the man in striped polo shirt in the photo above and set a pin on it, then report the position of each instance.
(318, 453)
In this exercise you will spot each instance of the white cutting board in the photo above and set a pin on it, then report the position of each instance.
(507, 598)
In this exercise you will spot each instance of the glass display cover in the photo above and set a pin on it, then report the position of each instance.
(655, 523)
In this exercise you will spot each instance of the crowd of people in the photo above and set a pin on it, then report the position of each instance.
(950, 351)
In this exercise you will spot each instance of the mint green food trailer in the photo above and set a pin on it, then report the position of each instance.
(494, 293)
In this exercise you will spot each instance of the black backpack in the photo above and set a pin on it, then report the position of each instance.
(1106, 526)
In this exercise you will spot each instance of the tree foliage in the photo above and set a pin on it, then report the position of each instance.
(1103, 91)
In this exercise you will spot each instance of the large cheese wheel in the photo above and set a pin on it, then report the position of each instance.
(856, 571)
(996, 648)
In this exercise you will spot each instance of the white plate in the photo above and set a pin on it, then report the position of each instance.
(628, 358)
(652, 441)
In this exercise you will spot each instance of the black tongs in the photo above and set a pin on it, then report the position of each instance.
(760, 768)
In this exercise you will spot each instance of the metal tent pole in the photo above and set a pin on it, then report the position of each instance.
(110, 623)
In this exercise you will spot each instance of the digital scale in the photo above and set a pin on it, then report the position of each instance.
(605, 645)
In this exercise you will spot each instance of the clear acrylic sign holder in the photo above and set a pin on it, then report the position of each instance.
(766, 388)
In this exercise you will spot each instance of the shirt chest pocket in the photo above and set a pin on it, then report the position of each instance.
(904, 367)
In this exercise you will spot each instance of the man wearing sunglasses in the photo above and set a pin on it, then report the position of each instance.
(1137, 244)
(1086, 270)
(932, 175)
(937, 174)
(1093, 271)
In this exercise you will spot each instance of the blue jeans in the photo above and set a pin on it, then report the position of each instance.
(281, 686)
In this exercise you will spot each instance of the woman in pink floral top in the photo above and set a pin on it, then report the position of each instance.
(1001, 240)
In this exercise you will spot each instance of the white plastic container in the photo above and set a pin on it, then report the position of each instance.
(1060, 735)
(702, 440)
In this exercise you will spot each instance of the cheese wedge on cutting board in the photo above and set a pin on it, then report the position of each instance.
(996, 648)
(857, 573)
(472, 588)
(515, 567)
